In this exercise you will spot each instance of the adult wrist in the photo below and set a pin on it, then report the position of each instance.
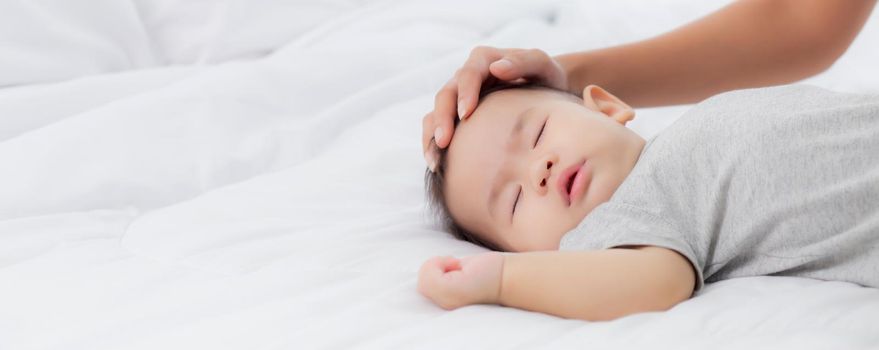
(574, 66)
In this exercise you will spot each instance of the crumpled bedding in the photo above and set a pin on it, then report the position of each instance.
(248, 174)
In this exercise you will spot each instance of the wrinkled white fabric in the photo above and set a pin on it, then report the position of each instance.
(265, 192)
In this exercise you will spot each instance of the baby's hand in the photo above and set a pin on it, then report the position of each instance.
(452, 283)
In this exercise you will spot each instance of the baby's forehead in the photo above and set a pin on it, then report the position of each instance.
(500, 112)
(486, 130)
(533, 94)
(480, 141)
(477, 152)
(500, 109)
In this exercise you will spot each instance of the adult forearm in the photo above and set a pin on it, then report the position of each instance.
(592, 285)
(749, 43)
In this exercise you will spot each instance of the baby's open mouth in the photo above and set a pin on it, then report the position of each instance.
(571, 182)
(566, 181)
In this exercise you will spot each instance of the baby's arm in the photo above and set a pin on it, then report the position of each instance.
(589, 285)
(596, 285)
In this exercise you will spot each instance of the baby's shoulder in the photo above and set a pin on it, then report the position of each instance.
(741, 115)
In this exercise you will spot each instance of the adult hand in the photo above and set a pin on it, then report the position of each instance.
(485, 67)
(452, 283)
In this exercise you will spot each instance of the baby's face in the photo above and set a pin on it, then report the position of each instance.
(529, 164)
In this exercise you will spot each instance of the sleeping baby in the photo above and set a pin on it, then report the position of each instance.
(588, 220)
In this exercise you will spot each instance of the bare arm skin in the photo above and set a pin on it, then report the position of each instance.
(748, 43)
(589, 285)
(596, 285)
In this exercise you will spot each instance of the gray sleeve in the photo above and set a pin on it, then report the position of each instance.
(614, 224)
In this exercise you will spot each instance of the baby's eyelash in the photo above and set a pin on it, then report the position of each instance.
(516, 202)
(540, 134)
(519, 194)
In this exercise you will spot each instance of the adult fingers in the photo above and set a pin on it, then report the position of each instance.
(444, 114)
(471, 77)
(532, 64)
(460, 95)
(427, 131)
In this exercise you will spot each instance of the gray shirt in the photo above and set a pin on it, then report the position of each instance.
(781, 181)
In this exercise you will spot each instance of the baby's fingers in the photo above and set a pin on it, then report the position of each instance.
(434, 283)
(432, 271)
(450, 263)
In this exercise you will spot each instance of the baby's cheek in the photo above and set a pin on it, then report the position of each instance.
(563, 222)
(544, 228)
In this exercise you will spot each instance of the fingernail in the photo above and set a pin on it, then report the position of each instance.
(461, 109)
(431, 161)
(503, 64)
(437, 134)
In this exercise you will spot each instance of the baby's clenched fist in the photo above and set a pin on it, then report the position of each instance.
(452, 283)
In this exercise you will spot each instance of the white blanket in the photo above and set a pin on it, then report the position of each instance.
(248, 175)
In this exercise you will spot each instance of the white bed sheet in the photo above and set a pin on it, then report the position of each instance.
(267, 194)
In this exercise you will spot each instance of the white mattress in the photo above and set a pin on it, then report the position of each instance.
(248, 175)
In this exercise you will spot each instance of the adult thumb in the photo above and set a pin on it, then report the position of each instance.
(531, 63)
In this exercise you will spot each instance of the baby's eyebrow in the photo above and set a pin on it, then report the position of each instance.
(495, 184)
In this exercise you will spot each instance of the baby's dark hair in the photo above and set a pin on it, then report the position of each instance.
(435, 181)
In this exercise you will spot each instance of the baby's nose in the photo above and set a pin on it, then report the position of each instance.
(540, 177)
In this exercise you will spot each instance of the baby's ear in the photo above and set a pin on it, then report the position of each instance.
(600, 100)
